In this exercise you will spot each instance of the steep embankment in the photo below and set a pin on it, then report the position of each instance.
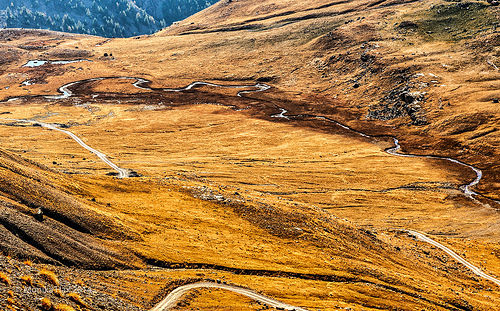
(40, 218)
(254, 239)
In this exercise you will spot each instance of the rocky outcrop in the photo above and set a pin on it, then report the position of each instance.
(400, 103)
(23, 285)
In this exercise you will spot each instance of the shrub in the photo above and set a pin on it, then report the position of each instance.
(63, 307)
(40, 285)
(49, 277)
(46, 304)
(5, 279)
(77, 299)
(27, 279)
(79, 282)
(58, 293)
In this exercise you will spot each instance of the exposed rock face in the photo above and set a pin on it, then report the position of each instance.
(400, 103)
(408, 25)
(51, 241)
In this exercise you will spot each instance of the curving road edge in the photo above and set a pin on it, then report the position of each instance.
(173, 298)
(122, 173)
(140, 83)
(422, 237)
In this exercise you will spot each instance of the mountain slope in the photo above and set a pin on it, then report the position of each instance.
(266, 190)
(123, 18)
(364, 57)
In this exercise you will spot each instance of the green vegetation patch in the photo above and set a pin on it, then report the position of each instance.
(109, 18)
(451, 21)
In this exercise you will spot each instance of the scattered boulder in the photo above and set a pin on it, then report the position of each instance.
(408, 25)
(400, 103)
(133, 174)
(39, 214)
(366, 57)
(266, 79)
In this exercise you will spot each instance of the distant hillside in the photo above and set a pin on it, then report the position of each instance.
(108, 18)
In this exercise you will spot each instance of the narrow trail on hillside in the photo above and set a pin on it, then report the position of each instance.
(173, 297)
(122, 173)
(139, 83)
(422, 237)
(395, 150)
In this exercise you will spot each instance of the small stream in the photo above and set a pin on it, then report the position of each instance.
(140, 83)
(395, 150)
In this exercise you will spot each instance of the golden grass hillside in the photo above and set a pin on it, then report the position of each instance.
(298, 208)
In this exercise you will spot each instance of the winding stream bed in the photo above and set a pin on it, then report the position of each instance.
(143, 84)
(395, 150)
(140, 83)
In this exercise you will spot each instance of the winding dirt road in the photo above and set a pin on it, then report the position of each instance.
(173, 298)
(422, 237)
(122, 173)
(143, 84)
(176, 295)
(65, 92)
